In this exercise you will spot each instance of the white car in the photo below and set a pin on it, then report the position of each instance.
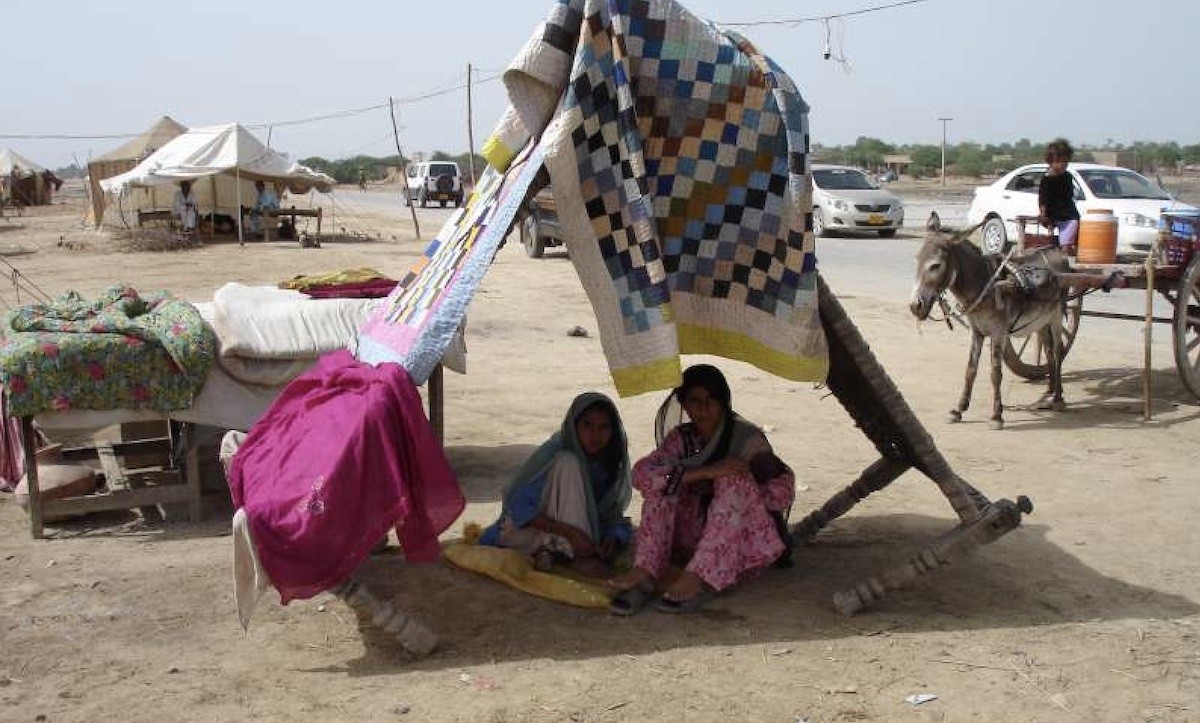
(846, 199)
(434, 181)
(1134, 200)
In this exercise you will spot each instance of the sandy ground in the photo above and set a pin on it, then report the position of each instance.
(1089, 612)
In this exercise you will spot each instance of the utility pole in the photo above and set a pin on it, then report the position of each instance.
(944, 122)
(470, 131)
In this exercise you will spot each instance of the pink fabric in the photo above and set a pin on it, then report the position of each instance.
(342, 455)
(373, 289)
(736, 539)
(12, 447)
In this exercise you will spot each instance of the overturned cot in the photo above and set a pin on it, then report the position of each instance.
(874, 403)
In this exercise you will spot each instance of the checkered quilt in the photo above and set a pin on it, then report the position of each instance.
(678, 156)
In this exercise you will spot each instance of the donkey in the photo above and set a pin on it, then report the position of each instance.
(1000, 300)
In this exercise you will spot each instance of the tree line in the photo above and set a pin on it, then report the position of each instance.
(980, 159)
(372, 168)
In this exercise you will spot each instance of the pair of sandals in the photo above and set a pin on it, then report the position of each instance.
(634, 600)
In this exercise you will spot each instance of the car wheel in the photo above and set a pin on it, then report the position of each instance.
(887, 233)
(421, 198)
(994, 239)
(818, 223)
(535, 247)
(458, 201)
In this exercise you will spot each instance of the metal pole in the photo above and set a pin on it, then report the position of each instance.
(944, 122)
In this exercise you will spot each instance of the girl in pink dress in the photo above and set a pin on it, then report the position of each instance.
(714, 500)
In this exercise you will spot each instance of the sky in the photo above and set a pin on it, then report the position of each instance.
(1094, 71)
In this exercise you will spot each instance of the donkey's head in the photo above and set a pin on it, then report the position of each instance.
(937, 268)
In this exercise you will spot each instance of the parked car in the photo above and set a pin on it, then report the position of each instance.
(434, 181)
(1134, 200)
(846, 199)
(539, 228)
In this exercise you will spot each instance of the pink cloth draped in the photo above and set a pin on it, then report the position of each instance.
(342, 455)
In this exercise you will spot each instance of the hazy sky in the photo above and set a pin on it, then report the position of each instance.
(1090, 71)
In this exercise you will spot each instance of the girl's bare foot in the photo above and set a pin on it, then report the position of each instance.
(637, 577)
(685, 587)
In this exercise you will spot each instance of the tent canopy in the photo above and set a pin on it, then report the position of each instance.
(125, 157)
(153, 138)
(10, 159)
(221, 149)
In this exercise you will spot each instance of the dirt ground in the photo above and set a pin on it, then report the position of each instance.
(1090, 611)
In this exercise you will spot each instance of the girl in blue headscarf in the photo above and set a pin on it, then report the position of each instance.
(567, 502)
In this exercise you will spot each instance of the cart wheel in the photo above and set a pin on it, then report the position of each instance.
(1187, 328)
(1028, 359)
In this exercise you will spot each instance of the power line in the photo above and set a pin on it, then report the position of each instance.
(823, 18)
(333, 115)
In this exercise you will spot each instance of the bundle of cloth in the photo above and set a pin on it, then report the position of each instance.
(344, 454)
(121, 350)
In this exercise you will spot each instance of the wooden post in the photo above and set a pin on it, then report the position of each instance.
(470, 131)
(29, 441)
(1148, 330)
(436, 404)
(403, 167)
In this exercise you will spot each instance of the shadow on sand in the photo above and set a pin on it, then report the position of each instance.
(1021, 581)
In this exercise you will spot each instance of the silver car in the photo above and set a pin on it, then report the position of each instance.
(846, 199)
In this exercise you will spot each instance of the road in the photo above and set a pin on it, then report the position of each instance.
(863, 266)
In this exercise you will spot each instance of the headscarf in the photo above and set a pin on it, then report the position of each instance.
(614, 460)
(732, 434)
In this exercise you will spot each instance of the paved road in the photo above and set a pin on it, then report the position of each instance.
(863, 266)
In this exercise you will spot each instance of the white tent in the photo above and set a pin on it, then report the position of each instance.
(222, 151)
(229, 149)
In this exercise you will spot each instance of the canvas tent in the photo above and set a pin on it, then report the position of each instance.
(25, 182)
(124, 158)
(223, 161)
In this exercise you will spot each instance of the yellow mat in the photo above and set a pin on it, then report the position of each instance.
(515, 570)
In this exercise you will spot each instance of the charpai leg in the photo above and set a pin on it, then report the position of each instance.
(413, 636)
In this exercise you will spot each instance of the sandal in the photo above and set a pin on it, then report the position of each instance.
(631, 601)
(691, 605)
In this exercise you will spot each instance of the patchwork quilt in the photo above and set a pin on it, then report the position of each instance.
(678, 157)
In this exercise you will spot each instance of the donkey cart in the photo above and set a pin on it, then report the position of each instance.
(1172, 269)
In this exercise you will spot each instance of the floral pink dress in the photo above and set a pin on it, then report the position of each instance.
(735, 539)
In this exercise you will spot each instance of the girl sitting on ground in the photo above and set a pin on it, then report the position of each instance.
(567, 502)
(714, 499)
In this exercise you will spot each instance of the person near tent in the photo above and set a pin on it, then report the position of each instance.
(185, 207)
(265, 200)
(714, 498)
(567, 502)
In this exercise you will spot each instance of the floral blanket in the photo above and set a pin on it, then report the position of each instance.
(121, 351)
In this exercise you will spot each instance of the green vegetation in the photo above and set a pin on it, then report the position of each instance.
(346, 170)
(976, 159)
(962, 159)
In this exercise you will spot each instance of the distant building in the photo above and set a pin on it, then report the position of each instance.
(898, 162)
(1124, 159)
